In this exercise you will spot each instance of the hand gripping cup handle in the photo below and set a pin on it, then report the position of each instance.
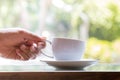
(45, 53)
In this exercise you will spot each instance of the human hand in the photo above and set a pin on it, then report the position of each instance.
(20, 44)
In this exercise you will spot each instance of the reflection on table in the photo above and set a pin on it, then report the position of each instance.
(38, 66)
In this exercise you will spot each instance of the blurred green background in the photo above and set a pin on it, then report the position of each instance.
(95, 21)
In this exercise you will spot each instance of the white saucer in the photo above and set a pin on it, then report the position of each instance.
(70, 64)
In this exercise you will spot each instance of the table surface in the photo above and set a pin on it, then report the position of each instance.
(38, 66)
(36, 70)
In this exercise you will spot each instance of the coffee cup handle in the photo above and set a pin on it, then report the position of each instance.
(45, 53)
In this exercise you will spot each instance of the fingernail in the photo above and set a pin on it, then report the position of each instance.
(34, 44)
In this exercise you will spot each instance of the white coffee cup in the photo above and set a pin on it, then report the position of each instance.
(67, 49)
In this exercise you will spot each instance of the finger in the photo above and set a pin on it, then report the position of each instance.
(29, 42)
(30, 51)
(35, 38)
(43, 42)
(34, 51)
(17, 57)
(33, 57)
(18, 52)
(34, 48)
(41, 45)
(24, 48)
(43, 39)
(22, 54)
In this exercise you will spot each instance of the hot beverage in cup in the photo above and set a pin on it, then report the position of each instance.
(67, 49)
